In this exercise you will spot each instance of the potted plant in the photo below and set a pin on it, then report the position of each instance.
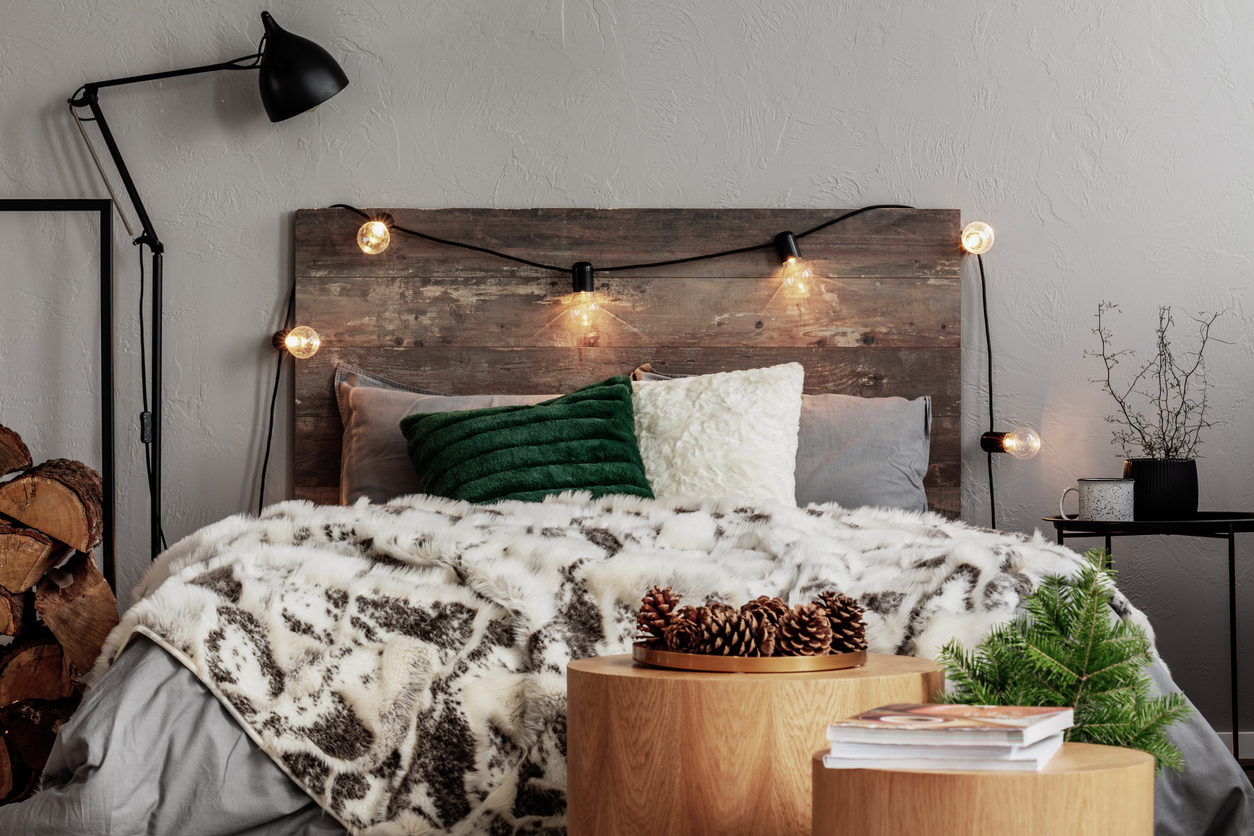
(1173, 389)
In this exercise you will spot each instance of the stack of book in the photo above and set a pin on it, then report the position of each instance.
(967, 737)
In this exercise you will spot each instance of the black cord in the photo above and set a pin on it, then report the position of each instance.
(278, 374)
(988, 344)
(616, 267)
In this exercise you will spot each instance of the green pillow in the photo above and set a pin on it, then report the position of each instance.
(582, 441)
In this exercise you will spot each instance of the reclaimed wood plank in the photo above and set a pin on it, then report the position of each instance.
(495, 311)
(872, 372)
(920, 243)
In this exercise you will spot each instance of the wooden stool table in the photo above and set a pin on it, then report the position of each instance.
(1084, 790)
(655, 751)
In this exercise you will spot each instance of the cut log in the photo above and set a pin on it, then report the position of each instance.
(31, 728)
(25, 555)
(11, 608)
(61, 498)
(37, 671)
(13, 452)
(6, 770)
(77, 605)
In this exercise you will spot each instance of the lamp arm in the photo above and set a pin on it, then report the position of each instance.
(207, 68)
(86, 96)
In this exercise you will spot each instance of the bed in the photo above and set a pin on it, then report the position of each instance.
(396, 664)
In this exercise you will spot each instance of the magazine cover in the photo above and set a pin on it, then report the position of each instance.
(934, 724)
(936, 717)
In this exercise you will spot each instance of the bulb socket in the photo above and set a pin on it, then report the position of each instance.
(993, 442)
(786, 246)
(581, 277)
(279, 340)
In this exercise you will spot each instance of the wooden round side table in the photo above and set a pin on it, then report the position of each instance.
(654, 751)
(1084, 790)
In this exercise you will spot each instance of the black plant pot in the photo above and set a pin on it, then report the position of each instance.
(1165, 489)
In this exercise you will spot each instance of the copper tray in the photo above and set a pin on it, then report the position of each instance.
(746, 664)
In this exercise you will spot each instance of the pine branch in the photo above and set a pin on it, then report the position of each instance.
(1068, 650)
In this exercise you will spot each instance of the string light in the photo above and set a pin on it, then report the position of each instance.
(302, 342)
(797, 274)
(977, 237)
(583, 307)
(373, 237)
(1023, 443)
(583, 310)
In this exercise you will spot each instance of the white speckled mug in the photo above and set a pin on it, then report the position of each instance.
(1101, 500)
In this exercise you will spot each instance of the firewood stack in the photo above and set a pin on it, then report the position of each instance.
(55, 607)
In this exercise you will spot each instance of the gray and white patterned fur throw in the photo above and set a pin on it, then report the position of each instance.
(405, 663)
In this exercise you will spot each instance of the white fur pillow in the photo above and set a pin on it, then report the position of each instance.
(722, 434)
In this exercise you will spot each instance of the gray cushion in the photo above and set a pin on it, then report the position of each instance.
(858, 451)
(374, 462)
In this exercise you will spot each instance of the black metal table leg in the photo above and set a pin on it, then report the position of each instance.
(1232, 636)
(1110, 554)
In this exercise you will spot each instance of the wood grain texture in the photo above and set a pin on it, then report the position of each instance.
(81, 613)
(25, 555)
(61, 498)
(883, 318)
(894, 242)
(1085, 790)
(676, 752)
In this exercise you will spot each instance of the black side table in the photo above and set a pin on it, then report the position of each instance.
(1219, 525)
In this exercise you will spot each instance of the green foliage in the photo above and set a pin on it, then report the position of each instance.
(1070, 650)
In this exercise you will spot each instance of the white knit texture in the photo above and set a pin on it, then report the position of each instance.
(726, 434)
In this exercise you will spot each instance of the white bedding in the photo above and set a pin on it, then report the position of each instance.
(404, 664)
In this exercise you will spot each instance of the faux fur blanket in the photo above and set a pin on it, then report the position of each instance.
(405, 663)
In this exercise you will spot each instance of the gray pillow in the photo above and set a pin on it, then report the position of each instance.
(857, 451)
(374, 462)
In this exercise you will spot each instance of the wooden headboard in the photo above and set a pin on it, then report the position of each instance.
(883, 318)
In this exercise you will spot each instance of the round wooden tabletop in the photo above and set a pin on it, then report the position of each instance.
(878, 667)
(659, 751)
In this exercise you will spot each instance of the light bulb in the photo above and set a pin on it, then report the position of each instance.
(302, 341)
(373, 237)
(583, 309)
(977, 237)
(797, 277)
(1022, 443)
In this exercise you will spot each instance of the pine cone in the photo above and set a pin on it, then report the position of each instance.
(683, 635)
(844, 616)
(804, 631)
(728, 632)
(764, 630)
(655, 613)
(773, 608)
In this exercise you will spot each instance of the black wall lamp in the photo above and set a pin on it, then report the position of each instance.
(294, 75)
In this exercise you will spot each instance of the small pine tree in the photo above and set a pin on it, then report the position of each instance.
(1068, 650)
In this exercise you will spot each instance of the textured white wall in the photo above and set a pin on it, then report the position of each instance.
(1110, 145)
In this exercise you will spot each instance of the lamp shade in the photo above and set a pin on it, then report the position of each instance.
(296, 74)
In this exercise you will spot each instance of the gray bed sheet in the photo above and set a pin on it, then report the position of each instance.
(151, 751)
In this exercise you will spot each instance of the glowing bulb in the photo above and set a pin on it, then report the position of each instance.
(977, 237)
(373, 237)
(302, 341)
(1022, 443)
(797, 277)
(583, 309)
